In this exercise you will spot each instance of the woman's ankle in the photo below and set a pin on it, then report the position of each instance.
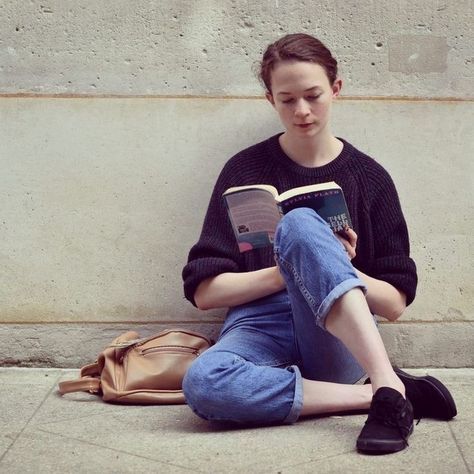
(390, 379)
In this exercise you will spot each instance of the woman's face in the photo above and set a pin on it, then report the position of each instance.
(302, 95)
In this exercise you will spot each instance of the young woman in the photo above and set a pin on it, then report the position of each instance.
(300, 329)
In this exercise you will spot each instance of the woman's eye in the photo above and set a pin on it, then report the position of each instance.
(309, 98)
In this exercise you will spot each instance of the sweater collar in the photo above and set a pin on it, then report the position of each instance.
(328, 169)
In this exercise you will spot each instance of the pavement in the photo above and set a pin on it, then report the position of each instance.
(42, 432)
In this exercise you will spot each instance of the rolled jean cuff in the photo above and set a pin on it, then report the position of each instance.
(297, 406)
(334, 295)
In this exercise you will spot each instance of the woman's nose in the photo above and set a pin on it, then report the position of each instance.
(302, 109)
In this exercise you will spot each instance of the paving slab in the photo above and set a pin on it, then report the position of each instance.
(463, 434)
(430, 451)
(74, 406)
(21, 394)
(79, 433)
(168, 434)
(39, 452)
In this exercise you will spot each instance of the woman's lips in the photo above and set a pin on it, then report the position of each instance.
(304, 125)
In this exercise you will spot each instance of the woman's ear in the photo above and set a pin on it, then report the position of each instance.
(336, 87)
(269, 97)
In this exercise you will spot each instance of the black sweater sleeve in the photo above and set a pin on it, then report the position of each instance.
(392, 262)
(216, 250)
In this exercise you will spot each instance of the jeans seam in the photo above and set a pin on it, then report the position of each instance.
(273, 363)
(304, 291)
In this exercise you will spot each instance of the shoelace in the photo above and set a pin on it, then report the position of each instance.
(385, 412)
(419, 418)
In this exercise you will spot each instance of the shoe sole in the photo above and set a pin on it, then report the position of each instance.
(377, 446)
(438, 387)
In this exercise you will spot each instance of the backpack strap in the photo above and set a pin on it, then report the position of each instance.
(91, 370)
(89, 380)
(84, 384)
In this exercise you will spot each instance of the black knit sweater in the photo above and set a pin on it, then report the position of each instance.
(382, 246)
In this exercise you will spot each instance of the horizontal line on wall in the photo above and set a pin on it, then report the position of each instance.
(192, 321)
(104, 323)
(229, 97)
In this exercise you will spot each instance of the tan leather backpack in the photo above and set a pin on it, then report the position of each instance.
(146, 371)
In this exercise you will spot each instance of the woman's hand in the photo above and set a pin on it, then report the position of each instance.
(350, 243)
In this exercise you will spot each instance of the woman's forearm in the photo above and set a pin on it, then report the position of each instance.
(232, 289)
(383, 298)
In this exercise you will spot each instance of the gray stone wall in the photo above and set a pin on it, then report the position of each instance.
(205, 47)
(116, 117)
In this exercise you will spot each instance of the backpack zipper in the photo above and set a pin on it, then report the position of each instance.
(183, 349)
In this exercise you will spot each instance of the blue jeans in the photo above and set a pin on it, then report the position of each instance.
(253, 374)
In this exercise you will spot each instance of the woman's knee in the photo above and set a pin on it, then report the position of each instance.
(299, 225)
(302, 235)
(208, 383)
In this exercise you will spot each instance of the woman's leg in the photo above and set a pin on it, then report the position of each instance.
(248, 376)
(329, 370)
(325, 290)
(328, 397)
(351, 321)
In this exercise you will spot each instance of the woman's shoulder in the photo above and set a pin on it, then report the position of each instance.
(249, 162)
(365, 161)
(369, 169)
(255, 152)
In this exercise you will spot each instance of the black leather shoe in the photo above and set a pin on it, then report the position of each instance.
(389, 424)
(429, 397)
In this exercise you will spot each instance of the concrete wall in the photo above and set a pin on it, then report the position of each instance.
(386, 48)
(115, 118)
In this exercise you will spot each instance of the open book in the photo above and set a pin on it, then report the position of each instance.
(255, 210)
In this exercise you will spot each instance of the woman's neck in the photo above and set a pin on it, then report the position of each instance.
(311, 152)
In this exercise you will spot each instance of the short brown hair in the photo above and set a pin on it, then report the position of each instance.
(296, 47)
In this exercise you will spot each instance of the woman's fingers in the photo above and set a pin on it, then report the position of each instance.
(352, 236)
(350, 243)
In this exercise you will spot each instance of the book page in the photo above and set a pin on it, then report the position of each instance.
(266, 187)
(307, 189)
(254, 217)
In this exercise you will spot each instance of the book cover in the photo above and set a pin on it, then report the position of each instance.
(255, 210)
(330, 204)
(254, 217)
